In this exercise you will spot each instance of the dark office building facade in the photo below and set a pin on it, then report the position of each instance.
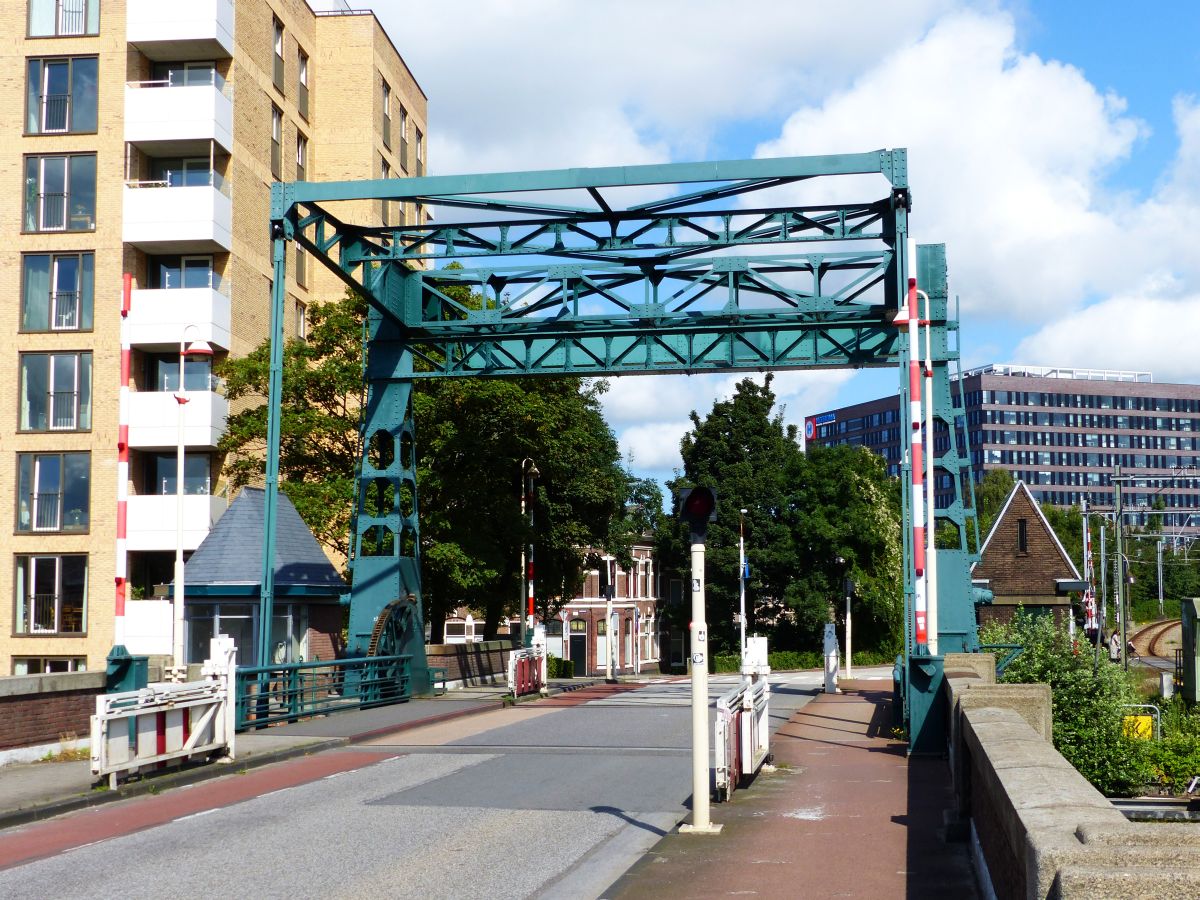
(1063, 432)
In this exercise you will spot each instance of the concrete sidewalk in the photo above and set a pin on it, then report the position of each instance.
(40, 790)
(846, 814)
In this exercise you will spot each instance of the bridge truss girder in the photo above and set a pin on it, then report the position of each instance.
(705, 267)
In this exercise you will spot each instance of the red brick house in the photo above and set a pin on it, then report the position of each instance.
(1023, 562)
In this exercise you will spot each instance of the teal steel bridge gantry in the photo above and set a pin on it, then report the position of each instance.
(681, 268)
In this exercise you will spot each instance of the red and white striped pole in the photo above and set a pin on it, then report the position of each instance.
(917, 461)
(931, 594)
(122, 558)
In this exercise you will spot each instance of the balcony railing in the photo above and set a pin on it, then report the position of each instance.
(64, 410)
(56, 110)
(47, 512)
(64, 306)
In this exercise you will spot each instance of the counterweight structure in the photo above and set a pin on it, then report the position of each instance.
(683, 268)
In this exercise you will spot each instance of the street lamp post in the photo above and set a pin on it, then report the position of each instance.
(742, 580)
(199, 350)
(529, 471)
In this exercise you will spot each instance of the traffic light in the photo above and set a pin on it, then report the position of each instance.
(698, 507)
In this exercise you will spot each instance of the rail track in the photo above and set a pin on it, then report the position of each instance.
(1150, 638)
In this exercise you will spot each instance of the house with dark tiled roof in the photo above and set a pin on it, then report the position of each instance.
(1023, 563)
(223, 576)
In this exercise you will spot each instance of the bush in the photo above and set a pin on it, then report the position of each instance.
(559, 668)
(1087, 705)
(1175, 760)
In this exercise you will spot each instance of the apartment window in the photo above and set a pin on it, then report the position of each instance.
(1022, 536)
(301, 157)
(276, 141)
(278, 41)
(63, 18)
(51, 595)
(302, 74)
(56, 392)
(384, 211)
(60, 193)
(301, 266)
(53, 491)
(175, 272)
(193, 171)
(387, 115)
(420, 145)
(404, 138)
(60, 95)
(161, 468)
(48, 665)
(56, 293)
(162, 373)
(301, 323)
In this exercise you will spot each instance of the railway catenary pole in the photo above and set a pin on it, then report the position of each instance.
(1122, 611)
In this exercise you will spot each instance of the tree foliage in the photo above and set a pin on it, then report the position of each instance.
(802, 513)
(1088, 706)
(323, 392)
(472, 436)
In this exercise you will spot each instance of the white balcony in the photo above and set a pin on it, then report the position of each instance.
(197, 29)
(178, 120)
(154, 419)
(157, 317)
(150, 521)
(161, 219)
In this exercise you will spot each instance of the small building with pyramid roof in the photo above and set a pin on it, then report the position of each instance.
(1023, 563)
(222, 579)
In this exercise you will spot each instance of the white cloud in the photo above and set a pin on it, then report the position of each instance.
(1132, 332)
(1007, 156)
(541, 83)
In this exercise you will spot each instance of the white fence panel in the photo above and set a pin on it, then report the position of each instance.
(741, 734)
(164, 722)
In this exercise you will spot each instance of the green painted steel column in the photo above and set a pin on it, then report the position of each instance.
(274, 401)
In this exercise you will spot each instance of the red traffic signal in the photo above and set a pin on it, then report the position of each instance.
(698, 505)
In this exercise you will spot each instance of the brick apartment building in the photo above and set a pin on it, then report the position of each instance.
(142, 137)
(1061, 431)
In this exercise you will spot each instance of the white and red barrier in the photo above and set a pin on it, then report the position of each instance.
(741, 735)
(527, 671)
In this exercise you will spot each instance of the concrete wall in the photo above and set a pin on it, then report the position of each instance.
(467, 664)
(1038, 828)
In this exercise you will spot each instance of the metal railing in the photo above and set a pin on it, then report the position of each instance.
(1003, 662)
(46, 512)
(526, 671)
(64, 407)
(65, 305)
(292, 691)
(55, 112)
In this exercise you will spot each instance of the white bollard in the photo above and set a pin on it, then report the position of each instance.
(831, 659)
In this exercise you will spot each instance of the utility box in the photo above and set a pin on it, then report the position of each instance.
(757, 659)
(125, 672)
(1190, 614)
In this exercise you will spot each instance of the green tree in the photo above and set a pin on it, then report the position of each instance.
(319, 445)
(843, 506)
(471, 438)
(990, 495)
(742, 450)
(1088, 706)
(803, 513)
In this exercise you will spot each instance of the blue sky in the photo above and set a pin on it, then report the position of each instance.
(1054, 148)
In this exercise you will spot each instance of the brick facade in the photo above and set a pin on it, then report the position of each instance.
(43, 709)
(1022, 572)
(348, 54)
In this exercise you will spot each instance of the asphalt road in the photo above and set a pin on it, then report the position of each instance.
(544, 799)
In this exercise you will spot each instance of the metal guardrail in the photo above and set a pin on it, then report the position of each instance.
(741, 734)
(292, 691)
(1003, 662)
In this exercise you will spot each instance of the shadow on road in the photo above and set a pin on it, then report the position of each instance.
(625, 817)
